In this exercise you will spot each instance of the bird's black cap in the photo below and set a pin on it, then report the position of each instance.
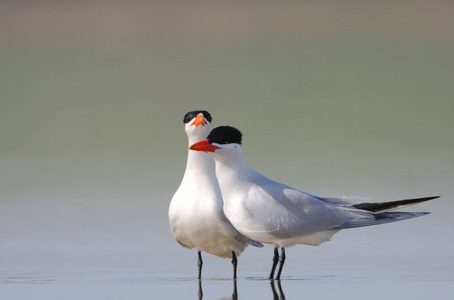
(225, 135)
(192, 114)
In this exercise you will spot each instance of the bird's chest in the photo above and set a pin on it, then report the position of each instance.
(241, 209)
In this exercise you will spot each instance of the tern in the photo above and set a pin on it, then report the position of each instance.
(274, 213)
(196, 214)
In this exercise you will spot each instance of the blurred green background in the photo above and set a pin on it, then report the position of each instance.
(333, 97)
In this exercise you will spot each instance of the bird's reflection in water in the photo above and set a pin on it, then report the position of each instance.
(234, 293)
(279, 294)
(200, 290)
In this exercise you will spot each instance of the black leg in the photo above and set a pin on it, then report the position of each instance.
(281, 264)
(199, 264)
(275, 260)
(234, 263)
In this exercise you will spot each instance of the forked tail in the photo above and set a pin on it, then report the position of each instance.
(381, 214)
(381, 218)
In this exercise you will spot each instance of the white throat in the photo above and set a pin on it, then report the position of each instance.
(232, 170)
(199, 162)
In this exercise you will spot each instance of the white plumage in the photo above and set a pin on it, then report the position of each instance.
(271, 212)
(196, 212)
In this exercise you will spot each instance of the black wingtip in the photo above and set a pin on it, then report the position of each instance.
(384, 206)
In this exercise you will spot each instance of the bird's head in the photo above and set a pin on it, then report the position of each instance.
(197, 124)
(223, 141)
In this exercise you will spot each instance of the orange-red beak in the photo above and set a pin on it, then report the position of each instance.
(204, 146)
(199, 120)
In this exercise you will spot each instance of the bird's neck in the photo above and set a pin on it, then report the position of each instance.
(232, 171)
(198, 162)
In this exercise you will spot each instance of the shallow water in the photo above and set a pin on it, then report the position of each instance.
(128, 285)
(333, 99)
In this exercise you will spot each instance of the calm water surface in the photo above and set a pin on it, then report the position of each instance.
(333, 99)
(130, 285)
